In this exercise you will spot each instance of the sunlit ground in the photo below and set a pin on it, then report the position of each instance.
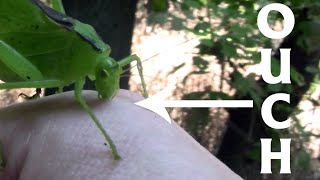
(310, 119)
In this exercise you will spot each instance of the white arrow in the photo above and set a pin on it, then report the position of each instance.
(157, 104)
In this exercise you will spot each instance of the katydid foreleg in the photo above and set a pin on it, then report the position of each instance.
(78, 89)
(127, 61)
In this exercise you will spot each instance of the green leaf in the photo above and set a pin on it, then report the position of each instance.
(207, 42)
(190, 4)
(200, 63)
(247, 86)
(296, 76)
(202, 28)
(229, 50)
(159, 5)
(275, 67)
(275, 87)
(219, 95)
(254, 153)
(313, 70)
(302, 160)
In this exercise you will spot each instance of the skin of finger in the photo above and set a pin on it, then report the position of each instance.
(53, 138)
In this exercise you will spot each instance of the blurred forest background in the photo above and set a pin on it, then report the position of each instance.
(212, 50)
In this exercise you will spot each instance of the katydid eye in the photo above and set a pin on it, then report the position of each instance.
(104, 73)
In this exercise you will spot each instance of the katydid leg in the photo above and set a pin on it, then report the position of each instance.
(32, 84)
(35, 96)
(127, 61)
(78, 89)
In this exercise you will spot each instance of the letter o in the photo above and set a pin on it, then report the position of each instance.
(263, 21)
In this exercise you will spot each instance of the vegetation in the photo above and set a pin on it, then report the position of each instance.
(228, 30)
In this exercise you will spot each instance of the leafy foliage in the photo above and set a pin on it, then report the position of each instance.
(228, 30)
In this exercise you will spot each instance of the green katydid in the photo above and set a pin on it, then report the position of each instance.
(42, 48)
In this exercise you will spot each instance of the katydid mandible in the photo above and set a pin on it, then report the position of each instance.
(42, 47)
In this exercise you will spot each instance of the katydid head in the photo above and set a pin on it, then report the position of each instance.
(107, 78)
